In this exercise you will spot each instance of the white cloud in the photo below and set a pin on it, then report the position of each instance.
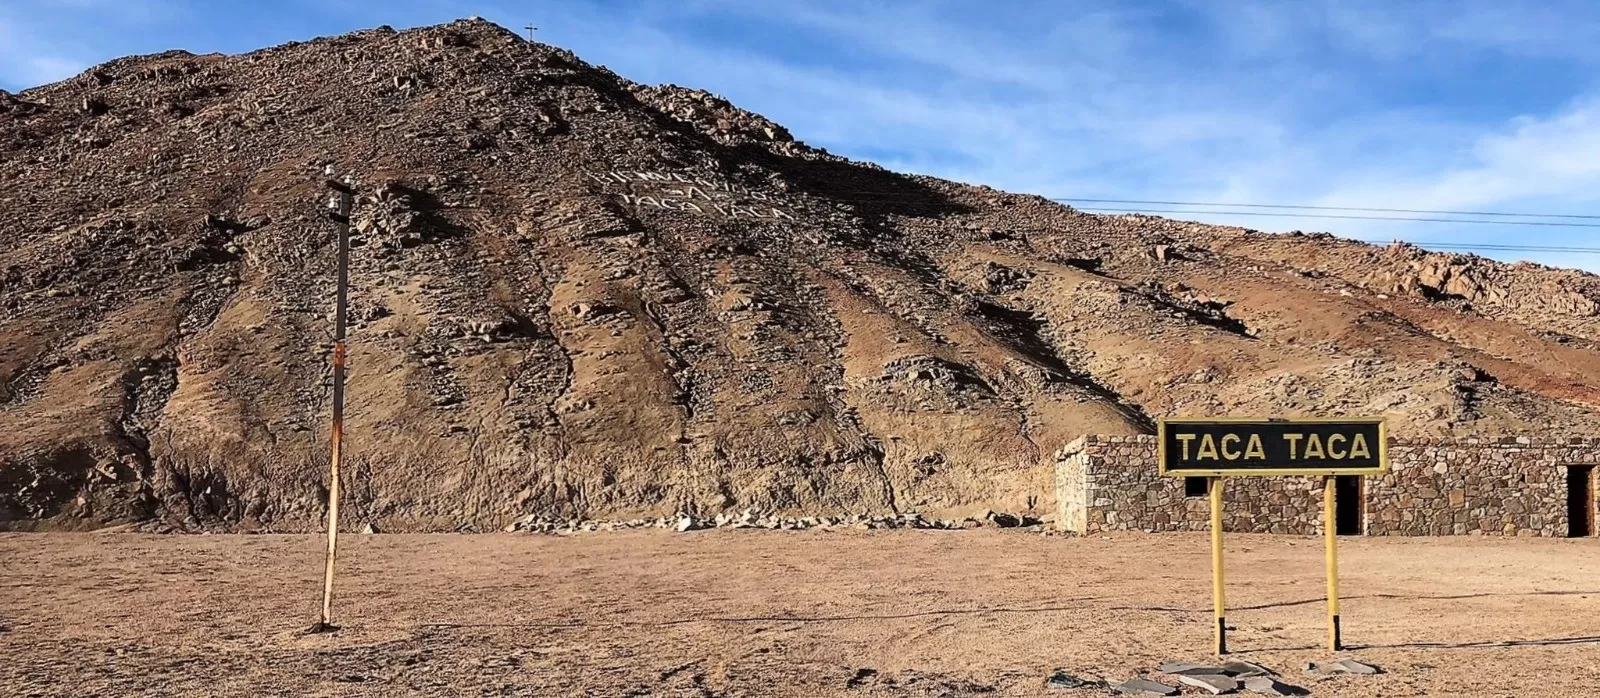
(40, 70)
(1549, 163)
(43, 41)
(25, 63)
(1098, 106)
(1560, 29)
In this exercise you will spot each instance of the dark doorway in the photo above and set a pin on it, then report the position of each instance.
(1347, 503)
(1194, 487)
(1580, 501)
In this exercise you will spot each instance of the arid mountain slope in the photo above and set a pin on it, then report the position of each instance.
(575, 296)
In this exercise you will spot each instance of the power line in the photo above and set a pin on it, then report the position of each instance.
(888, 196)
(1282, 238)
(834, 196)
(1486, 246)
(1326, 208)
(904, 199)
(1339, 216)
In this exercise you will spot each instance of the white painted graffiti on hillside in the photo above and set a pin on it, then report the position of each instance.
(678, 191)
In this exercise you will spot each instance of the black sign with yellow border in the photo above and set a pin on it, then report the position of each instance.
(1233, 447)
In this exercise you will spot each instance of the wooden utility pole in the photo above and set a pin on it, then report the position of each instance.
(531, 29)
(340, 213)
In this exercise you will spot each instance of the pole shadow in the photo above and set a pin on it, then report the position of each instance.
(759, 619)
(1488, 644)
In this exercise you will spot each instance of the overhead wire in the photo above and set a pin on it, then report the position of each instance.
(1144, 202)
(1339, 216)
(906, 199)
(1457, 245)
(893, 195)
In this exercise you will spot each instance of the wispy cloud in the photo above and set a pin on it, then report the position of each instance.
(25, 62)
(39, 69)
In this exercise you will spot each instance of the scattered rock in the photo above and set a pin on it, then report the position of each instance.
(1002, 520)
(94, 106)
(1268, 686)
(1342, 666)
(369, 528)
(1191, 669)
(1062, 680)
(1144, 687)
(862, 675)
(1351, 666)
(1215, 684)
(1242, 669)
(687, 523)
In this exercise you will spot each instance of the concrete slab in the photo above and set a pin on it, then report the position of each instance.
(1245, 669)
(1342, 666)
(1268, 686)
(1144, 687)
(1215, 684)
(1177, 668)
(1351, 666)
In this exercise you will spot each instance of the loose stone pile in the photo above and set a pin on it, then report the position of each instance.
(1227, 677)
(750, 518)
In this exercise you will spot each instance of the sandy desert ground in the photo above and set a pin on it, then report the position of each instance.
(765, 613)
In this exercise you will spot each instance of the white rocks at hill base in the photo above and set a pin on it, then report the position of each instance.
(750, 518)
(1002, 520)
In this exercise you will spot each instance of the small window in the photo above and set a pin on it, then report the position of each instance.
(1194, 487)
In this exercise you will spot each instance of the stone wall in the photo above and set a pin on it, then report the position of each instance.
(1515, 486)
(1072, 508)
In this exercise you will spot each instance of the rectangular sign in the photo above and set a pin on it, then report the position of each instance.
(1232, 447)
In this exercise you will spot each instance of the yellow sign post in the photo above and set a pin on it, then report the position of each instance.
(1330, 547)
(1219, 601)
(1219, 448)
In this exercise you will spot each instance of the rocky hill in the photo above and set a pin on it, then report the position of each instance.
(574, 296)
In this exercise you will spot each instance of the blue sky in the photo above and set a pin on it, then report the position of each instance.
(1460, 105)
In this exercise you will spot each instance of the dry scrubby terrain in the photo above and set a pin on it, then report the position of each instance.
(757, 614)
(576, 296)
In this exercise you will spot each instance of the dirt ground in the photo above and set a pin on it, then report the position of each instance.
(765, 613)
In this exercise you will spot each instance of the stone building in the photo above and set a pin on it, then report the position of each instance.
(1518, 486)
